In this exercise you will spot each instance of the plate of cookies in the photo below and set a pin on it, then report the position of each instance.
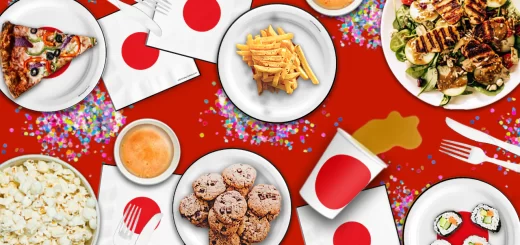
(232, 197)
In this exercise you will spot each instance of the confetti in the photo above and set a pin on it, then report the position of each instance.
(241, 127)
(362, 27)
(92, 120)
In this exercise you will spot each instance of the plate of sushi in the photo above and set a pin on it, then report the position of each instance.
(462, 211)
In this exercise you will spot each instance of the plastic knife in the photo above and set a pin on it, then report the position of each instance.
(480, 136)
(149, 228)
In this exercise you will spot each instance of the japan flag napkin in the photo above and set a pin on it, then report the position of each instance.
(194, 28)
(367, 220)
(117, 195)
(135, 71)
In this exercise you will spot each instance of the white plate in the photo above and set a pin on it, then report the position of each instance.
(21, 159)
(334, 12)
(461, 194)
(466, 102)
(84, 72)
(215, 162)
(237, 78)
(173, 165)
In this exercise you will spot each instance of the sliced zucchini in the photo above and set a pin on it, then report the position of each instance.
(506, 46)
(421, 15)
(495, 3)
(454, 91)
(445, 100)
(431, 77)
(417, 58)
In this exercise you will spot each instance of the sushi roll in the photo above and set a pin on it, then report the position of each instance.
(486, 217)
(447, 223)
(475, 240)
(441, 242)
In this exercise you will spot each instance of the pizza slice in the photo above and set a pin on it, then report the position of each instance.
(31, 54)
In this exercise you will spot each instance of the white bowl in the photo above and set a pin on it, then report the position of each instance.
(21, 159)
(173, 165)
(335, 12)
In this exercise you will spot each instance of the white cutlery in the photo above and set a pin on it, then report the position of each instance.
(472, 154)
(480, 136)
(126, 235)
(139, 15)
(146, 233)
(160, 6)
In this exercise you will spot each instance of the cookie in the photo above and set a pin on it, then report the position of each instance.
(230, 207)
(264, 200)
(239, 175)
(253, 228)
(209, 186)
(224, 229)
(195, 210)
(215, 238)
(242, 191)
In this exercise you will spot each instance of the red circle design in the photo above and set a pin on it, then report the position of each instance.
(148, 208)
(352, 233)
(136, 54)
(199, 18)
(340, 179)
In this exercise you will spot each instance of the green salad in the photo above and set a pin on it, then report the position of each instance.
(457, 47)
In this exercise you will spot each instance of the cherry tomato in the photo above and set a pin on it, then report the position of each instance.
(508, 63)
(407, 2)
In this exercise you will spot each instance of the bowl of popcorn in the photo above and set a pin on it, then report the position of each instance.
(44, 200)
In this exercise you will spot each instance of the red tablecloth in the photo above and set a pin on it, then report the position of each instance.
(365, 89)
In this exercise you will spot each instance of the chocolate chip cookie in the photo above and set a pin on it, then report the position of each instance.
(242, 191)
(224, 229)
(215, 238)
(195, 210)
(239, 176)
(209, 186)
(265, 200)
(253, 228)
(230, 207)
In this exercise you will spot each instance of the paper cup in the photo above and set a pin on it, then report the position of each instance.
(343, 171)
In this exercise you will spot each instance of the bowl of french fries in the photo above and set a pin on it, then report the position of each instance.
(276, 63)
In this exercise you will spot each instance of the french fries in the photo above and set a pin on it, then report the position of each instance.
(276, 61)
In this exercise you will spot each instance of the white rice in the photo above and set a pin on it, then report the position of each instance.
(477, 218)
(474, 239)
(446, 215)
(441, 242)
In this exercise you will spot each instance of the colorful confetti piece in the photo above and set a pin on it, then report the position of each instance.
(362, 27)
(92, 120)
(241, 127)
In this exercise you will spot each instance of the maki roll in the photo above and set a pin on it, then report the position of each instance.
(475, 240)
(486, 217)
(447, 223)
(441, 242)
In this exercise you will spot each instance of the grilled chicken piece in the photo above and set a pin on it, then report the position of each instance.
(475, 10)
(437, 40)
(450, 10)
(493, 30)
(486, 65)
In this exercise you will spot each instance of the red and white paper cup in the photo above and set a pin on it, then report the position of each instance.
(343, 171)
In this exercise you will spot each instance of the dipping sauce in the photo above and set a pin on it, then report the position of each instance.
(146, 151)
(333, 4)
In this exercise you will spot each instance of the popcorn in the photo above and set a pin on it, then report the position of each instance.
(45, 203)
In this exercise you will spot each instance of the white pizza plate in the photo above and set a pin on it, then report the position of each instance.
(21, 159)
(335, 12)
(84, 72)
(237, 78)
(460, 194)
(466, 102)
(216, 162)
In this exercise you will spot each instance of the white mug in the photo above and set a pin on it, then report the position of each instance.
(343, 171)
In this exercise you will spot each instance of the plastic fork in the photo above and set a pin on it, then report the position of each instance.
(472, 154)
(161, 6)
(124, 235)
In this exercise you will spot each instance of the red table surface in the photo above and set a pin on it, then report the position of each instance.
(365, 89)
